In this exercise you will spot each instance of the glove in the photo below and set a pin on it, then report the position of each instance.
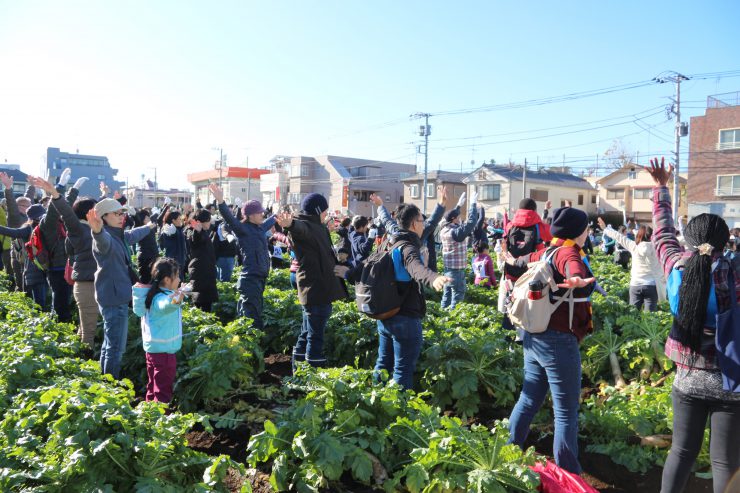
(474, 198)
(461, 202)
(238, 202)
(373, 233)
(80, 181)
(65, 176)
(230, 238)
(155, 210)
(169, 229)
(167, 200)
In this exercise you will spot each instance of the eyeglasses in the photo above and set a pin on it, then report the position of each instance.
(419, 220)
(118, 213)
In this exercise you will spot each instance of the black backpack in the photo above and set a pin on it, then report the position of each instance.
(521, 241)
(377, 292)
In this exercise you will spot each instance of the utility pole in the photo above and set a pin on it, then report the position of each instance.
(676, 78)
(524, 180)
(424, 131)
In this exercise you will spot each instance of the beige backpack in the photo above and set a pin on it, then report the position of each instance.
(531, 310)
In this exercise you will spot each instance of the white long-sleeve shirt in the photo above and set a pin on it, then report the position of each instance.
(646, 269)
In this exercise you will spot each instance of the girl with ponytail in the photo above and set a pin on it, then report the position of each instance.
(701, 285)
(159, 307)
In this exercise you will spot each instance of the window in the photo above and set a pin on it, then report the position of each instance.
(562, 203)
(490, 192)
(632, 174)
(295, 171)
(615, 193)
(101, 177)
(414, 191)
(538, 195)
(431, 190)
(580, 199)
(728, 185)
(641, 193)
(593, 199)
(244, 189)
(729, 139)
(305, 170)
(362, 195)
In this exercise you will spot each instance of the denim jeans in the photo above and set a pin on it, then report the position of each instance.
(224, 268)
(251, 298)
(399, 345)
(454, 292)
(551, 362)
(115, 333)
(689, 421)
(37, 292)
(61, 292)
(310, 344)
(644, 294)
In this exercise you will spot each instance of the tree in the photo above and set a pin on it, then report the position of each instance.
(618, 155)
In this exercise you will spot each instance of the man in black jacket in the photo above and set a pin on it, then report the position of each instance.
(318, 287)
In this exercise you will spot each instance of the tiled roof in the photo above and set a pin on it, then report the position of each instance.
(542, 176)
(446, 176)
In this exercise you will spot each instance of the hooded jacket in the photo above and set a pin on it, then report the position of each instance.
(161, 325)
(317, 283)
(524, 218)
(414, 304)
(252, 243)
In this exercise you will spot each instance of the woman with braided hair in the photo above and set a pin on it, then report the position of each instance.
(701, 285)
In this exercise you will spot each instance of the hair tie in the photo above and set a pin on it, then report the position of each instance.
(705, 249)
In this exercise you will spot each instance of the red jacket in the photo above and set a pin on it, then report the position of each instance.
(525, 218)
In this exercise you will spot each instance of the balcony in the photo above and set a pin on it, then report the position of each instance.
(727, 146)
(724, 100)
(727, 192)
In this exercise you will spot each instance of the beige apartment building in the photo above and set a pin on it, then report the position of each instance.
(629, 189)
(501, 188)
(413, 189)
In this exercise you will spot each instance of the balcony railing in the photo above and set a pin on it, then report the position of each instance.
(727, 192)
(724, 100)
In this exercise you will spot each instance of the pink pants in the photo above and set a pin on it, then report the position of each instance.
(161, 368)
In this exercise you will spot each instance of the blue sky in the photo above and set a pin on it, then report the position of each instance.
(161, 83)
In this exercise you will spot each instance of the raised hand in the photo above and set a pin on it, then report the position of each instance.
(95, 221)
(548, 204)
(601, 223)
(376, 200)
(463, 198)
(6, 180)
(340, 270)
(285, 219)
(658, 171)
(65, 176)
(44, 185)
(576, 282)
(217, 192)
(80, 181)
(103, 189)
(442, 194)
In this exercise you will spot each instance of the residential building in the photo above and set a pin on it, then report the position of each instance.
(151, 197)
(501, 188)
(96, 168)
(243, 183)
(274, 185)
(20, 179)
(714, 159)
(346, 182)
(413, 187)
(626, 193)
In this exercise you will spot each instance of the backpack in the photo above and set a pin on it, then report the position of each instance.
(37, 251)
(529, 310)
(521, 241)
(376, 292)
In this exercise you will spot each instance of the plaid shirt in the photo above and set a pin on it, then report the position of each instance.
(673, 256)
(454, 246)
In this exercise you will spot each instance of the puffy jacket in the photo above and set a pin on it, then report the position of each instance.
(113, 257)
(51, 235)
(252, 242)
(362, 246)
(174, 244)
(161, 325)
(79, 238)
(317, 283)
(407, 257)
(202, 266)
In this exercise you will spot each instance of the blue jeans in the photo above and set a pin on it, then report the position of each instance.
(399, 345)
(251, 298)
(224, 268)
(61, 292)
(37, 292)
(310, 344)
(551, 362)
(115, 333)
(454, 292)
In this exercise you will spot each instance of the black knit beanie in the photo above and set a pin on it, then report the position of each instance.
(568, 223)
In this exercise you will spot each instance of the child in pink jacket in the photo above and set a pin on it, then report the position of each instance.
(483, 266)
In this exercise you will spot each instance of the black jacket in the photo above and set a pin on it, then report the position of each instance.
(317, 283)
(414, 304)
(147, 248)
(79, 240)
(202, 266)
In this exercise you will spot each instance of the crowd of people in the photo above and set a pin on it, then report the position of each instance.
(84, 248)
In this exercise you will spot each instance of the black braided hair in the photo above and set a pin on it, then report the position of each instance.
(163, 267)
(693, 296)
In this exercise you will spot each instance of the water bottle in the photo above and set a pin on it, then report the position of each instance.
(535, 290)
